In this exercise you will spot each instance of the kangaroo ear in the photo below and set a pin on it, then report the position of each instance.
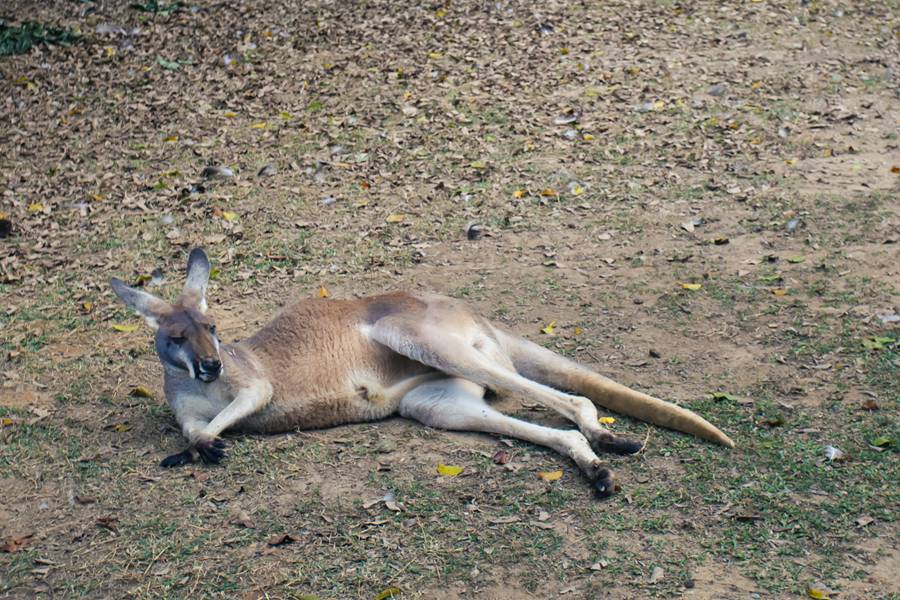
(147, 305)
(197, 277)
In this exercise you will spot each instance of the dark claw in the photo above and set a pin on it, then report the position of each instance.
(617, 445)
(604, 485)
(177, 460)
(211, 452)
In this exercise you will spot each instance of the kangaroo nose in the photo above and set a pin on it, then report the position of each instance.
(210, 365)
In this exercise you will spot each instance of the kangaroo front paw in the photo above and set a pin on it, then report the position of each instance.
(177, 460)
(211, 451)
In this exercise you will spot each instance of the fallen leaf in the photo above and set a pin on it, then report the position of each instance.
(833, 453)
(6, 422)
(895, 170)
(863, 521)
(816, 593)
(280, 539)
(35, 207)
(606, 420)
(124, 328)
(870, 404)
(16, 543)
(229, 215)
(796, 259)
(550, 328)
(691, 286)
(519, 194)
(229, 115)
(110, 523)
(724, 396)
(577, 331)
(140, 392)
(390, 592)
(121, 427)
(323, 293)
(243, 519)
(549, 193)
(260, 125)
(83, 500)
(882, 442)
(779, 292)
(550, 475)
(395, 218)
(501, 457)
(449, 470)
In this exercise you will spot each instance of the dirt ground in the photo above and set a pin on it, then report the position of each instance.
(700, 197)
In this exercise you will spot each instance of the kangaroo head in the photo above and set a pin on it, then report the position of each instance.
(185, 337)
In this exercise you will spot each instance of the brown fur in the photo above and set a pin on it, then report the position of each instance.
(320, 363)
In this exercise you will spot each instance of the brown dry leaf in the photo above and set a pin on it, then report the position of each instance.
(550, 475)
(109, 522)
(280, 539)
(501, 457)
(16, 543)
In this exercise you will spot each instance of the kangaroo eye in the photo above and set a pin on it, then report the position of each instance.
(177, 340)
(212, 329)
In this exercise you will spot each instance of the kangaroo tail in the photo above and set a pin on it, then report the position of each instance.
(542, 365)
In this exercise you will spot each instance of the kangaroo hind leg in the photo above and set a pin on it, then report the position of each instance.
(479, 356)
(458, 404)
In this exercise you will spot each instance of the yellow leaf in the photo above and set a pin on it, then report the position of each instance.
(577, 190)
(587, 137)
(435, 55)
(124, 328)
(780, 292)
(389, 593)
(658, 105)
(285, 115)
(110, 50)
(440, 13)
(229, 115)
(791, 162)
(395, 218)
(228, 215)
(121, 427)
(141, 392)
(550, 328)
(98, 197)
(550, 475)
(214, 273)
(816, 593)
(6, 421)
(578, 331)
(756, 85)
(323, 293)
(87, 306)
(477, 164)
(260, 125)
(519, 194)
(606, 420)
(35, 207)
(691, 286)
(549, 193)
(171, 138)
(449, 470)
(564, 51)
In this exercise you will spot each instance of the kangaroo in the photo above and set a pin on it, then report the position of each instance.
(321, 363)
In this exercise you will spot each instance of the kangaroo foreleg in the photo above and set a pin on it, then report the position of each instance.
(203, 435)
